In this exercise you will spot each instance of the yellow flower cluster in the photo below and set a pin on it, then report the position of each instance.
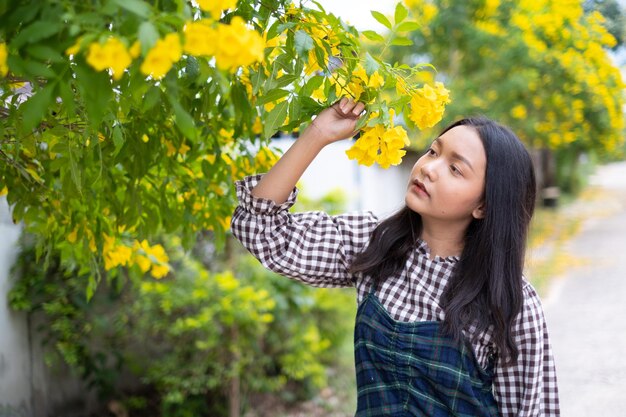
(379, 145)
(233, 45)
(162, 56)
(428, 104)
(4, 69)
(216, 7)
(148, 258)
(243, 166)
(112, 55)
(576, 45)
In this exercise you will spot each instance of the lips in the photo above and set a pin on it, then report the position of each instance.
(420, 187)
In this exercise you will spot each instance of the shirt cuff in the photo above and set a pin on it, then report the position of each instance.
(260, 205)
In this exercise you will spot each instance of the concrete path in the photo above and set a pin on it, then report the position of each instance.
(586, 310)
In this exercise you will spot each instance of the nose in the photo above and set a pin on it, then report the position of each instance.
(428, 170)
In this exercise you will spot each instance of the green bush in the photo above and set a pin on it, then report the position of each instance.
(192, 335)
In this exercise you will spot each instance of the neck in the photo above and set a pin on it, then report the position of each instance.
(443, 238)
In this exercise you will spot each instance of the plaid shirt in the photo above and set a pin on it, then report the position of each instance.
(317, 249)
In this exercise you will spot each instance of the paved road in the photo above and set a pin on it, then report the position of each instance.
(586, 312)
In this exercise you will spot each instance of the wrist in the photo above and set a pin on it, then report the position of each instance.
(315, 135)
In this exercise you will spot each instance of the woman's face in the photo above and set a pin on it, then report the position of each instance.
(448, 182)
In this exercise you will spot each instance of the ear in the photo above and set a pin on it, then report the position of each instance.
(479, 212)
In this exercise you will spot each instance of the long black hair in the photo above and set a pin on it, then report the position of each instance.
(486, 286)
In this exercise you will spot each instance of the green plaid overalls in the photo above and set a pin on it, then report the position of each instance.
(411, 369)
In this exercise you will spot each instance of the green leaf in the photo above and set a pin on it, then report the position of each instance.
(295, 111)
(382, 19)
(118, 140)
(402, 41)
(407, 27)
(286, 80)
(275, 119)
(311, 85)
(272, 32)
(401, 13)
(304, 43)
(151, 98)
(37, 69)
(373, 36)
(41, 29)
(371, 65)
(45, 53)
(271, 95)
(138, 7)
(96, 91)
(148, 35)
(184, 121)
(36, 107)
(67, 97)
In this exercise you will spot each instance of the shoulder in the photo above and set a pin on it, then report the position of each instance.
(531, 319)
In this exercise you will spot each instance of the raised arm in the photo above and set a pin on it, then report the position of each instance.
(332, 124)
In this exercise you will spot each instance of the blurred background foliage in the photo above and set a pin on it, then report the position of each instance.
(540, 67)
(208, 339)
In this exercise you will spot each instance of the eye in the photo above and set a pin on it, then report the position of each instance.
(455, 170)
(431, 152)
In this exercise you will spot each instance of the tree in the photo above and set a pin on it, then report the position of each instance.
(539, 66)
(124, 119)
(615, 16)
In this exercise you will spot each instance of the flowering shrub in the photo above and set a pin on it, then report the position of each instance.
(540, 66)
(126, 118)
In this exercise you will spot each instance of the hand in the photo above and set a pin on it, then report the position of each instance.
(337, 121)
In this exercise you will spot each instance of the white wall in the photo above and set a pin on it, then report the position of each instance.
(15, 369)
(27, 386)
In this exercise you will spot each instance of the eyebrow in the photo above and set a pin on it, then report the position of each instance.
(455, 155)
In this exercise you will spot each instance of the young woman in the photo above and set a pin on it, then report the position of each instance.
(446, 325)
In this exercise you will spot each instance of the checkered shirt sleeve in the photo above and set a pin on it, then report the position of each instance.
(311, 247)
(528, 388)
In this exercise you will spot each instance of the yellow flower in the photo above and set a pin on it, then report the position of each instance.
(428, 104)
(319, 93)
(376, 80)
(365, 149)
(379, 145)
(257, 127)
(159, 271)
(200, 38)
(183, 149)
(391, 144)
(216, 7)
(312, 64)
(112, 55)
(518, 112)
(237, 45)
(74, 49)
(4, 69)
(162, 56)
(355, 88)
(135, 49)
(73, 235)
(145, 138)
(114, 254)
(172, 43)
(143, 263)
(359, 72)
(4, 191)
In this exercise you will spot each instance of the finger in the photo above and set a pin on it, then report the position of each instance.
(349, 107)
(358, 109)
(342, 104)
